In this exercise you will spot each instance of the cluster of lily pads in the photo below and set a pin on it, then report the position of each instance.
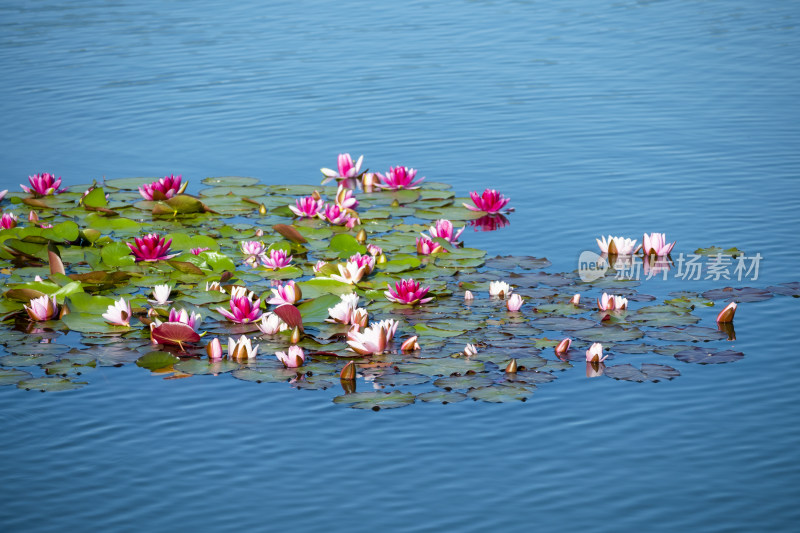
(363, 286)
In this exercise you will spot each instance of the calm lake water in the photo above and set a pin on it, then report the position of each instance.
(595, 117)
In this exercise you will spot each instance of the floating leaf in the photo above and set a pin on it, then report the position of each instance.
(206, 367)
(376, 400)
(696, 354)
(501, 393)
(11, 376)
(50, 384)
(441, 396)
(401, 379)
(740, 294)
(463, 382)
(157, 360)
(174, 333)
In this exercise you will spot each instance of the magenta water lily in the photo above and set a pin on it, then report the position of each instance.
(8, 221)
(346, 168)
(443, 229)
(399, 178)
(409, 292)
(490, 201)
(150, 248)
(43, 185)
(276, 259)
(245, 307)
(163, 189)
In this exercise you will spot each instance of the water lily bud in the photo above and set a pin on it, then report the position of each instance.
(410, 344)
(381, 259)
(361, 237)
(214, 349)
(563, 346)
(511, 368)
(576, 299)
(259, 232)
(349, 371)
(470, 350)
(262, 209)
(33, 217)
(295, 335)
(468, 296)
(315, 195)
(726, 315)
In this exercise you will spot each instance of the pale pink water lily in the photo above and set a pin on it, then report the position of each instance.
(576, 299)
(501, 289)
(656, 244)
(410, 344)
(371, 340)
(43, 184)
(242, 349)
(276, 259)
(389, 325)
(337, 216)
(563, 346)
(214, 349)
(293, 359)
(33, 216)
(163, 189)
(271, 324)
(343, 311)
(245, 306)
(214, 286)
(399, 178)
(609, 302)
(595, 353)
(514, 302)
(490, 201)
(373, 250)
(360, 318)
(349, 273)
(198, 251)
(346, 168)
(470, 350)
(45, 226)
(285, 294)
(426, 246)
(150, 248)
(616, 245)
(42, 308)
(193, 320)
(727, 313)
(161, 294)
(3, 194)
(468, 295)
(118, 313)
(369, 182)
(408, 291)
(307, 207)
(345, 198)
(8, 221)
(443, 229)
(318, 266)
(252, 250)
(366, 261)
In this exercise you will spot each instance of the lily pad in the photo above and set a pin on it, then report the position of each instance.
(376, 400)
(12, 376)
(157, 360)
(442, 396)
(501, 393)
(738, 294)
(204, 366)
(50, 384)
(702, 356)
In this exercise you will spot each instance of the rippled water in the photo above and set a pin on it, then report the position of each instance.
(595, 117)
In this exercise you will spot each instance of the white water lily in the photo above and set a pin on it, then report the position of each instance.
(161, 294)
(499, 288)
(242, 349)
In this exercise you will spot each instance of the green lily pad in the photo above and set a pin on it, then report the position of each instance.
(50, 384)
(401, 379)
(157, 360)
(441, 396)
(702, 356)
(12, 376)
(441, 366)
(204, 366)
(376, 400)
(609, 334)
(266, 375)
(501, 393)
(463, 382)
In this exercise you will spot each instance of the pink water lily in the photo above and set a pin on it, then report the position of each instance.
(338, 216)
(514, 302)
(426, 246)
(369, 181)
(390, 325)
(616, 245)
(595, 353)
(43, 184)
(307, 207)
(252, 248)
(319, 266)
(347, 169)
(193, 320)
(285, 294)
(163, 189)
(443, 229)
(345, 198)
(490, 201)
(399, 178)
(118, 313)
(727, 313)
(271, 324)
(408, 291)
(373, 250)
(198, 251)
(366, 261)
(33, 216)
(276, 259)
(151, 248)
(245, 307)
(214, 286)
(293, 359)
(343, 311)
(610, 302)
(8, 221)
(410, 344)
(656, 244)
(563, 346)
(576, 299)
(241, 350)
(371, 340)
(3, 193)
(42, 308)
(349, 273)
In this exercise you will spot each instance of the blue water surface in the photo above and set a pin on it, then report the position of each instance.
(595, 117)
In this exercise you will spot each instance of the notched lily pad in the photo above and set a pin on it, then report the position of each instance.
(501, 393)
(702, 356)
(376, 400)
